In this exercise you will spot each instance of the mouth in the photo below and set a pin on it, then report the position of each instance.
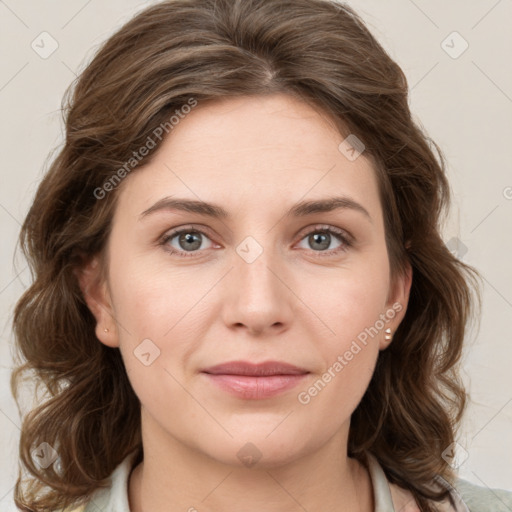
(251, 381)
(266, 368)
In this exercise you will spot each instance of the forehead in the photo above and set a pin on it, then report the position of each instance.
(259, 152)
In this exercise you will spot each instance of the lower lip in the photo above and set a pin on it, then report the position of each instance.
(255, 388)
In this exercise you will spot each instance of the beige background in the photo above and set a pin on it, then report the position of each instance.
(463, 101)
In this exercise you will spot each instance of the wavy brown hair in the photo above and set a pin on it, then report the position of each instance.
(320, 52)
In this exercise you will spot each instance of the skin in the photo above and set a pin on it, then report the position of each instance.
(256, 157)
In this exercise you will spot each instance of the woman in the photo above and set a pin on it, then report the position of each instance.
(303, 353)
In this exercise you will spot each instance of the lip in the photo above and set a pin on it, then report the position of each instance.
(255, 381)
(265, 368)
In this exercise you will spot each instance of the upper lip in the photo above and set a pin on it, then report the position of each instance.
(256, 369)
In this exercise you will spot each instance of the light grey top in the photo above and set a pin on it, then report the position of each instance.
(388, 497)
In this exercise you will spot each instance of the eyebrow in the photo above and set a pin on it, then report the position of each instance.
(301, 209)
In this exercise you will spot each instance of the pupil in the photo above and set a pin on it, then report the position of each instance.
(188, 238)
(325, 243)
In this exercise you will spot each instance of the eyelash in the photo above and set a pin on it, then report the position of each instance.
(344, 238)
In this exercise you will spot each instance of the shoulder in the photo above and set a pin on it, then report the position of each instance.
(112, 497)
(466, 496)
(483, 499)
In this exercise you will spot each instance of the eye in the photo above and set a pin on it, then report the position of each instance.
(321, 237)
(187, 240)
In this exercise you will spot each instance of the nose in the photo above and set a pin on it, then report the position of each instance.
(259, 295)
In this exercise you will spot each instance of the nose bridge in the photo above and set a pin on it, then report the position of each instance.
(259, 298)
(253, 268)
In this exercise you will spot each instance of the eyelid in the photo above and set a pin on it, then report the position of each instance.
(329, 228)
(171, 233)
(346, 240)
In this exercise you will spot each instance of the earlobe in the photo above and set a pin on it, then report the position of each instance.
(97, 297)
(397, 305)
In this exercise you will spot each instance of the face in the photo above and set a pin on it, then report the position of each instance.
(263, 281)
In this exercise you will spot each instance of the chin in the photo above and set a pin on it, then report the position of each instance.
(257, 450)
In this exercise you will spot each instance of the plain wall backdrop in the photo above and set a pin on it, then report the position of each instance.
(456, 56)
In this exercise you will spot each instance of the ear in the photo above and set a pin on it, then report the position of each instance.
(396, 305)
(96, 294)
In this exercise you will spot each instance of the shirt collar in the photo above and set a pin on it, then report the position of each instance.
(388, 497)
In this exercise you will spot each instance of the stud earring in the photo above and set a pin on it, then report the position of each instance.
(105, 330)
(387, 335)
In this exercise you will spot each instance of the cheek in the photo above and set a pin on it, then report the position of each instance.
(160, 313)
(352, 309)
(353, 301)
(156, 333)
(149, 299)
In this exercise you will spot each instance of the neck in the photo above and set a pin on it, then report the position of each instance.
(186, 479)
